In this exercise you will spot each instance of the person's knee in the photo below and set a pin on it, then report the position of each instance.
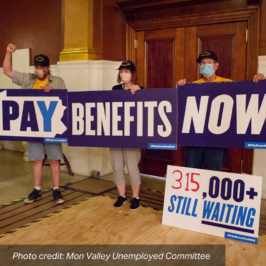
(54, 162)
(135, 183)
(135, 179)
(37, 162)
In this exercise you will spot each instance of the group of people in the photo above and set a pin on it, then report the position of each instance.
(196, 157)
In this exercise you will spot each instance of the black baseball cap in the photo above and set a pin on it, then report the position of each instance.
(208, 54)
(128, 65)
(41, 60)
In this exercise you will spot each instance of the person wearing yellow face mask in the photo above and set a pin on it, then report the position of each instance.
(123, 156)
(44, 80)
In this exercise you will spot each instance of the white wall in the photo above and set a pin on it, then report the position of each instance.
(88, 76)
(259, 161)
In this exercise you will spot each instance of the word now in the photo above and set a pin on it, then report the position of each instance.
(221, 111)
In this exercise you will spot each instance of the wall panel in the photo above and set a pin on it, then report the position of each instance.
(31, 24)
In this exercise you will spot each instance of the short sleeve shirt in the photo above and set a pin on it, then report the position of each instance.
(27, 80)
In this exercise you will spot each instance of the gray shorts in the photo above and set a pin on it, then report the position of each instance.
(53, 151)
(129, 157)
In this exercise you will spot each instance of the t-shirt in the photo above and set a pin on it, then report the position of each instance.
(39, 83)
(119, 87)
(28, 80)
(218, 79)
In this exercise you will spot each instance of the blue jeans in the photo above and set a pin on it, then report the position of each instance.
(210, 158)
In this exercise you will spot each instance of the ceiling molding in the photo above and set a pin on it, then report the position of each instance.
(133, 5)
(192, 20)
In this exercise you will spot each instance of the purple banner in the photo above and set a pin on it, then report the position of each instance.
(147, 119)
(226, 114)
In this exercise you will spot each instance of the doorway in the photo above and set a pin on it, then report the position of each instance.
(163, 56)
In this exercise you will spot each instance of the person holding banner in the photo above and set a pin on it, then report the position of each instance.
(129, 157)
(42, 79)
(210, 157)
(195, 157)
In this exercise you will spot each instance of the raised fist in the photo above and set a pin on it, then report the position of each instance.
(11, 48)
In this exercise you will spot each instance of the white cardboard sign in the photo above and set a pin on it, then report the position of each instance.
(217, 203)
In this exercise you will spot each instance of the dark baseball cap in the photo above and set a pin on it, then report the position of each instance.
(41, 60)
(128, 65)
(208, 54)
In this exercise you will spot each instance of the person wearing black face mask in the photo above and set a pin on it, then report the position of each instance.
(211, 158)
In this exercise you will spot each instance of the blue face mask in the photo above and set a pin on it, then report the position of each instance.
(206, 70)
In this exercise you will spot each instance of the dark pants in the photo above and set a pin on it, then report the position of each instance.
(210, 158)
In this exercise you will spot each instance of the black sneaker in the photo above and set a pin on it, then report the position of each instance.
(120, 201)
(57, 196)
(134, 204)
(34, 195)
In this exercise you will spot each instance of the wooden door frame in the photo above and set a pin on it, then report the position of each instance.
(250, 14)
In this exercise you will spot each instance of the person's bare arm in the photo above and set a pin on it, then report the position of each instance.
(7, 65)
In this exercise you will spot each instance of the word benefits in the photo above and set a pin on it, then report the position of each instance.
(108, 118)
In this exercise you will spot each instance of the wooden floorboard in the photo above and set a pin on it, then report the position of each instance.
(262, 226)
(15, 205)
(28, 211)
(262, 231)
(146, 199)
(144, 203)
(142, 196)
(96, 222)
(262, 221)
(48, 209)
(263, 216)
(92, 185)
(32, 207)
(17, 214)
(150, 192)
